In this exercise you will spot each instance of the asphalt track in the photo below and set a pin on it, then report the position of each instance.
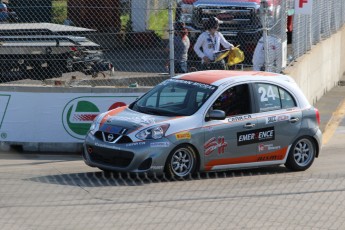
(58, 191)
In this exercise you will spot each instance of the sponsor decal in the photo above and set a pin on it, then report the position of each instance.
(283, 117)
(196, 84)
(4, 101)
(183, 135)
(273, 119)
(116, 105)
(157, 167)
(269, 158)
(78, 116)
(239, 118)
(80, 112)
(215, 143)
(301, 2)
(112, 129)
(136, 144)
(267, 147)
(255, 136)
(270, 120)
(106, 146)
(208, 128)
(3, 135)
(147, 120)
(160, 144)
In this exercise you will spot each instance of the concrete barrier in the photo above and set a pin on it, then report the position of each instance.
(321, 68)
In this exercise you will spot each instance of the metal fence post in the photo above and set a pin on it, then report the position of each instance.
(263, 12)
(171, 39)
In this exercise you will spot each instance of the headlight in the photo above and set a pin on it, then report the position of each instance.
(186, 18)
(186, 13)
(153, 132)
(186, 8)
(95, 124)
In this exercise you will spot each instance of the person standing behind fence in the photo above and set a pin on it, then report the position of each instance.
(209, 42)
(274, 52)
(181, 47)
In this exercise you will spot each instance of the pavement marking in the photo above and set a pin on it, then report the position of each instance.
(333, 123)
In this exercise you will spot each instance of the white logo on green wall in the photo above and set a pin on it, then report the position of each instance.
(78, 116)
(79, 113)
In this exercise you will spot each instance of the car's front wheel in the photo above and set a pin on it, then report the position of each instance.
(181, 162)
(301, 155)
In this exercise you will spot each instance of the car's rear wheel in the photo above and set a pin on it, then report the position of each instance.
(181, 162)
(301, 155)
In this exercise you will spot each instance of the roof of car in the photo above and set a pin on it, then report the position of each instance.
(215, 77)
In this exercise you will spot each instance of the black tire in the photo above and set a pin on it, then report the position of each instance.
(181, 162)
(301, 155)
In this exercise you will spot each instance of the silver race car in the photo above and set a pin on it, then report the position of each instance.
(207, 121)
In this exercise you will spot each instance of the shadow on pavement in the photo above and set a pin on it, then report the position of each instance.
(102, 179)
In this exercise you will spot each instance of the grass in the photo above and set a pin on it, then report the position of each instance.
(124, 22)
(59, 11)
(158, 20)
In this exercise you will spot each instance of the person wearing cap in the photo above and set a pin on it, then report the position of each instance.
(209, 43)
(181, 47)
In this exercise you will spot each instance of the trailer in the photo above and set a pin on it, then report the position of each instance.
(42, 50)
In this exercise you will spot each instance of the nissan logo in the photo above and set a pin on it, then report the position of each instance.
(110, 137)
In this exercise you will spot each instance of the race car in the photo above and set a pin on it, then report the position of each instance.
(208, 121)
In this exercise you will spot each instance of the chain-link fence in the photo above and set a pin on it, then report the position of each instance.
(35, 195)
(90, 43)
(327, 18)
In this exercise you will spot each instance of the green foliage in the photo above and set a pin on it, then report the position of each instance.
(59, 11)
(126, 23)
(158, 22)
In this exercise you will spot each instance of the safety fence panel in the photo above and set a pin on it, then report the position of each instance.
(326, 19)
(86, 42)
(69, 43)
(275, 44)
(73, 196)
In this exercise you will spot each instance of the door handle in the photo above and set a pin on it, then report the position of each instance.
(294, 119)
(249, 125)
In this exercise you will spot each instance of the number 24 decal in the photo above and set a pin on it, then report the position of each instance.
(266, 94)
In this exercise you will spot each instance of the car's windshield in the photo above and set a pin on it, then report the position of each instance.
(174, 97)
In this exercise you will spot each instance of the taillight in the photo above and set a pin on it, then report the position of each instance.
(317, 116)
(73, 48)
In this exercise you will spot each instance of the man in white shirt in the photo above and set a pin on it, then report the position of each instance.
(274, 54)
(209, 43)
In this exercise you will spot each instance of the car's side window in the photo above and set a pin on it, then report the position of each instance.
(272, 97)
(268, 97)
(234, 101)
(286, 99)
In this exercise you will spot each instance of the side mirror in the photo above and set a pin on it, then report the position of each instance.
(216, 115)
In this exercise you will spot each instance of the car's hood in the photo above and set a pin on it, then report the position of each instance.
(129, 120)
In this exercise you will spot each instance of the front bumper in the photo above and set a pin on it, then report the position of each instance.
(145, 156)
